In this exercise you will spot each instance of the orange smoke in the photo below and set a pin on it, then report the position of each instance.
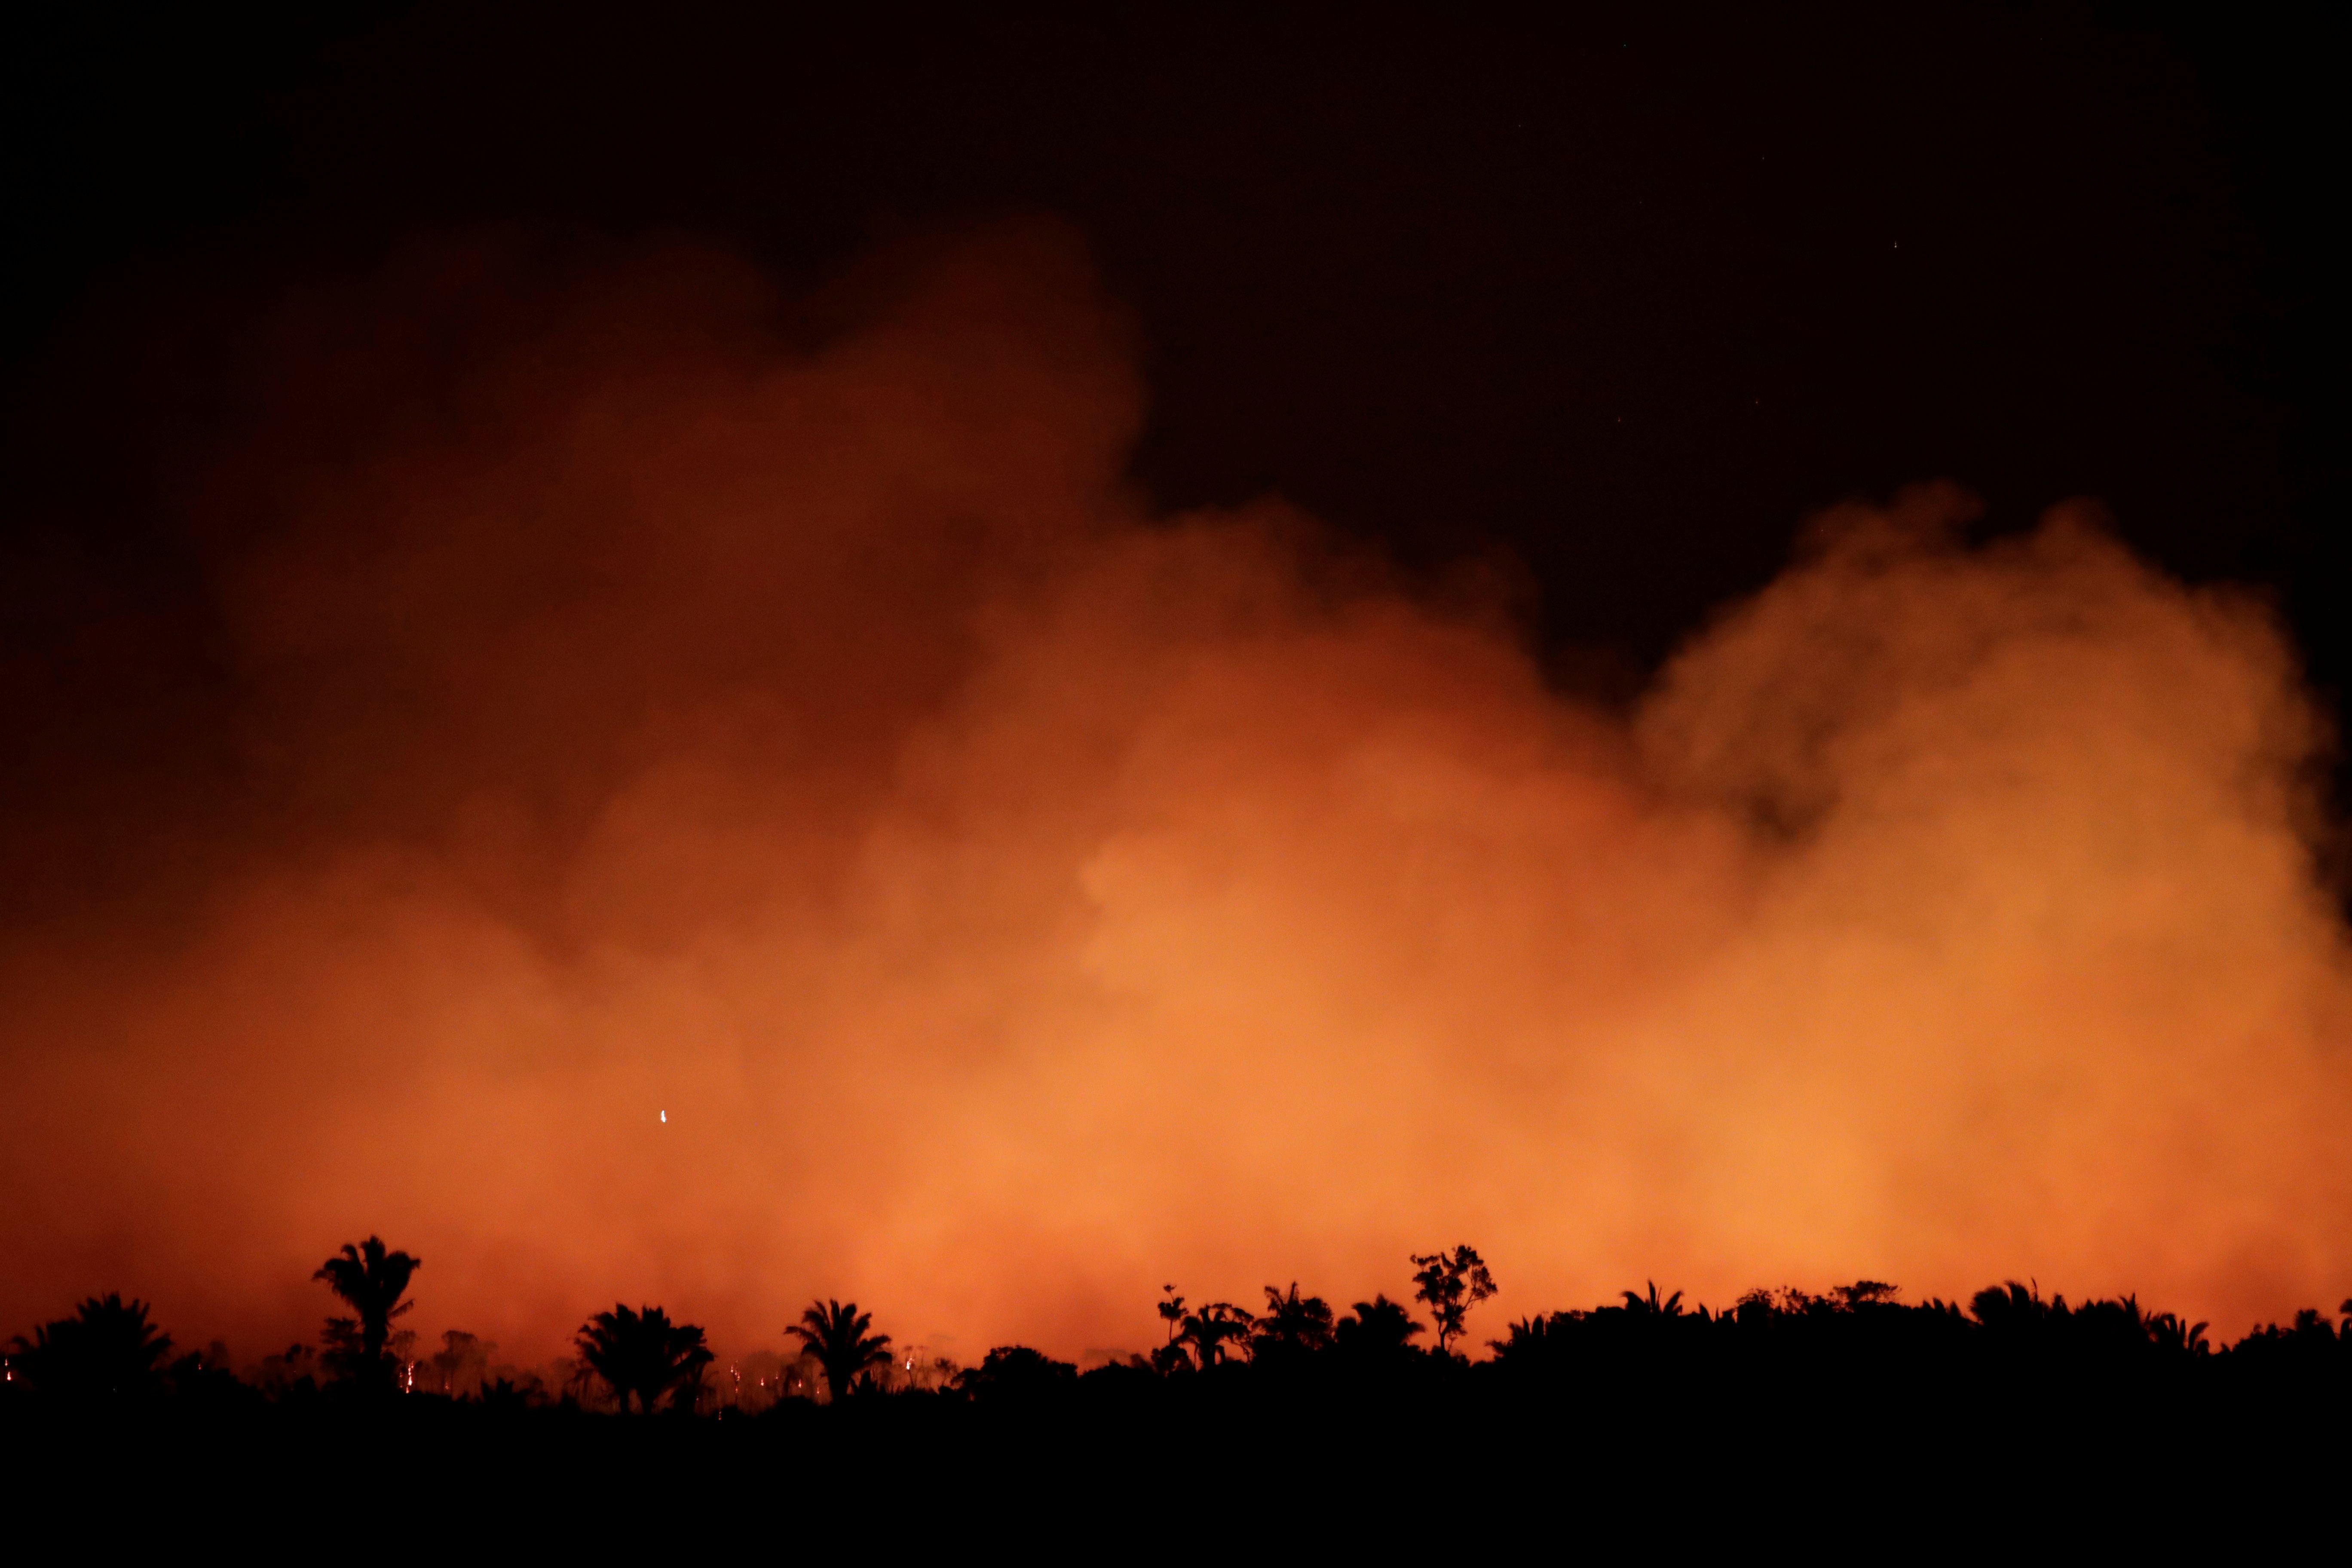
(669, 698)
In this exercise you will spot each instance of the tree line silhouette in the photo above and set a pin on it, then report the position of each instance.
(110, 1354)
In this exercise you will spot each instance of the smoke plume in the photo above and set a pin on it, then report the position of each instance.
(731, 798)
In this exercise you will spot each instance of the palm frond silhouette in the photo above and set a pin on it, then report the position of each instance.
(1215, 1326)
(2008, 1305)
(834, 1332)
(2179, 1337)
(1650, 1306)
(1291, 1324)
(108, 1351)
(371, 1280)
(644, 1353)
(1531, 1340)
(1171, 1312)
(1377, 1329)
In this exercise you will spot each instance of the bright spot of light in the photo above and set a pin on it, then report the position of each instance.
(664, 1116)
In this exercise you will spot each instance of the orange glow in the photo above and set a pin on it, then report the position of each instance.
(759, 810)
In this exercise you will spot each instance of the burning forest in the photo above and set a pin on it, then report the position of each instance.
(869, 705)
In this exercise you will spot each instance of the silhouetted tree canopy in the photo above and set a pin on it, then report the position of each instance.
(1450, 1284)
(1278, 1398)
(1017, 1373)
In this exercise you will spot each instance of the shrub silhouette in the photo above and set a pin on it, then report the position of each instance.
(370, 1282)
(109, 1350)
(644, 1353)
(834, 1332)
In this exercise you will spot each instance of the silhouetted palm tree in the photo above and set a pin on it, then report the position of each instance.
(108, 1350)
(2016, 1316)
(1171, 1312)
(2174, 1335)
(1173, 1357)
(834, 1332)
(1379, 1328)
(2008, 1305)
(644, 1353)
(1291, 1324)
(1649, 1306)
(372, 1283)
(1216, 1325)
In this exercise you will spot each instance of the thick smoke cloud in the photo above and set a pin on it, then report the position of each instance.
(651, 694)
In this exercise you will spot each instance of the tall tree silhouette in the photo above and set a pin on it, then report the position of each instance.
(370, 1282)
(108, 1351)
(644, 1353)
(1170, 1358)
(1171, 1312)
(834, 1332)
(1450, 1284)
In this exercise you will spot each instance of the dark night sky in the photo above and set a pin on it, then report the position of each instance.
(1628, 297)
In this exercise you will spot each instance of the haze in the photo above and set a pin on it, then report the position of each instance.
(654, 692)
